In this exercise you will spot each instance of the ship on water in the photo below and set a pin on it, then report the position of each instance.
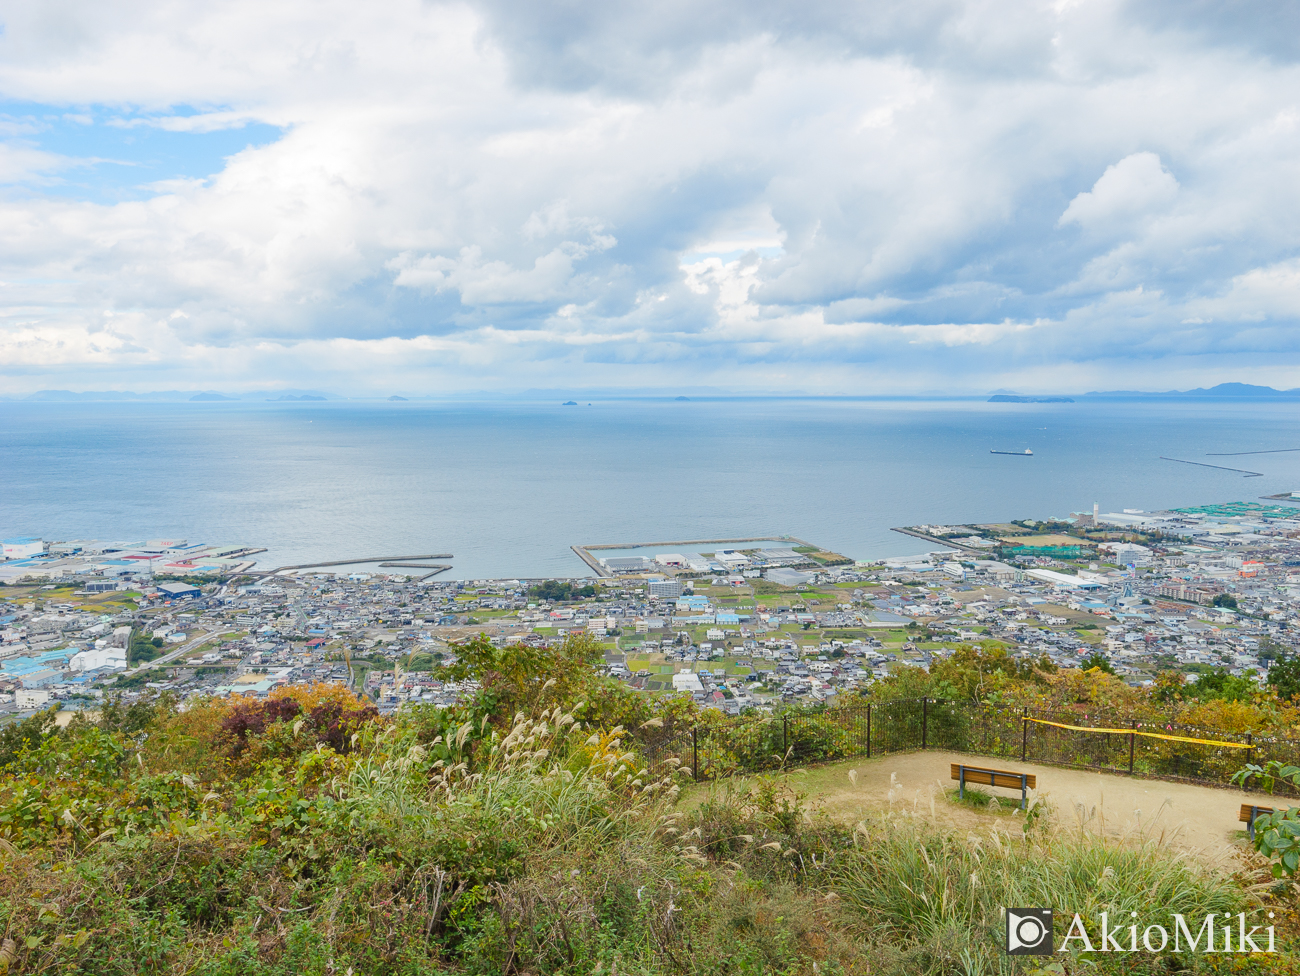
(1025, 453)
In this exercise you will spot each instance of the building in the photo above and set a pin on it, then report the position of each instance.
(1179, 590)
(687, 681)
(40, 678)
(178, 591)
(627, 564)
(31, 699)
(671, 560)
(666, 589)
(1063, 581)
(110, 657)
(787, 577)
(731, 558)
(21, 548)
(999, 571)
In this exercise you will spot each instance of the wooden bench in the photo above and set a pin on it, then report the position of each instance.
(983, 776)
(1248, 815)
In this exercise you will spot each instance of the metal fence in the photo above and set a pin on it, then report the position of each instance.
(753, 743)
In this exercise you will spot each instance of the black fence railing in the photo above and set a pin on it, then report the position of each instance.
(757, 742)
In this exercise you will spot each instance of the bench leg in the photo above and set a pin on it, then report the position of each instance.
(961, 782)
(1250, 825)
(1024, 794)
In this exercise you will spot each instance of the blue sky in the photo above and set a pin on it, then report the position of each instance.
(108, 154)
(828, 197)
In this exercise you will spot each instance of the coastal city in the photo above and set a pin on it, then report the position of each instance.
(735, 624)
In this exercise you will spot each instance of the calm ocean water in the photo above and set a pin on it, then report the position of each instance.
(509, 486)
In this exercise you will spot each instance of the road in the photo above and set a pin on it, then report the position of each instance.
(170, 656)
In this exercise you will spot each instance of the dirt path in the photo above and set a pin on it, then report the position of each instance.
(1196, 819)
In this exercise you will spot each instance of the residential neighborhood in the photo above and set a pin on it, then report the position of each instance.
(735, 628)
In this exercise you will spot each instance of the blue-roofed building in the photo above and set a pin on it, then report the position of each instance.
(18, 665)
(40, 678)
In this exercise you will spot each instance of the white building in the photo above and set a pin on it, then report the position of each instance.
(626, 564)
(665, 589)
(21, 548)
(687, 681)
(99, 657)
(1062, 581)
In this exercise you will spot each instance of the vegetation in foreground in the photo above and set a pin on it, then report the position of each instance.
(306, 835)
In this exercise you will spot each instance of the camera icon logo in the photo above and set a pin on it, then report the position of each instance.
(1029, 931)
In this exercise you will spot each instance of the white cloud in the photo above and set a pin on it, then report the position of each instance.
(484, 193)
(20, 162)
(1130, 189)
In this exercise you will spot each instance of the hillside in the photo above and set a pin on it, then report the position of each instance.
(523, 833)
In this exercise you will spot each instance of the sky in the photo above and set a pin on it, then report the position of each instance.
(822, 197)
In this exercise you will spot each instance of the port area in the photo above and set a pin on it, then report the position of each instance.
(1011, 540)
(937, 540)
(397, 562)
(751, 556)
(1287, 496)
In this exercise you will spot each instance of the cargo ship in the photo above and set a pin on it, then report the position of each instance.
(1025, 453)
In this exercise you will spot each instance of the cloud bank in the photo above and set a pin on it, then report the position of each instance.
(827, 197)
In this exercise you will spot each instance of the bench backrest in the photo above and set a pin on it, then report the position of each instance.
(993, 777)
(1245, 817)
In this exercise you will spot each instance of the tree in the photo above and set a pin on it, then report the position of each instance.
(17, 737)
(1215, 683)
(559, 591)
(1284, 676)
(1225, 600)
(1097, 660)
(118, 715)
(1270, 649)
(980, 672)
(1277, 835)
(143, 648)
(521, 678)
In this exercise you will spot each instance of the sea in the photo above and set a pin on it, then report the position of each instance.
(508, 486)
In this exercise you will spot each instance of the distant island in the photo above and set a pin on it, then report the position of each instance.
(1218, 393)
(1222, 390)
